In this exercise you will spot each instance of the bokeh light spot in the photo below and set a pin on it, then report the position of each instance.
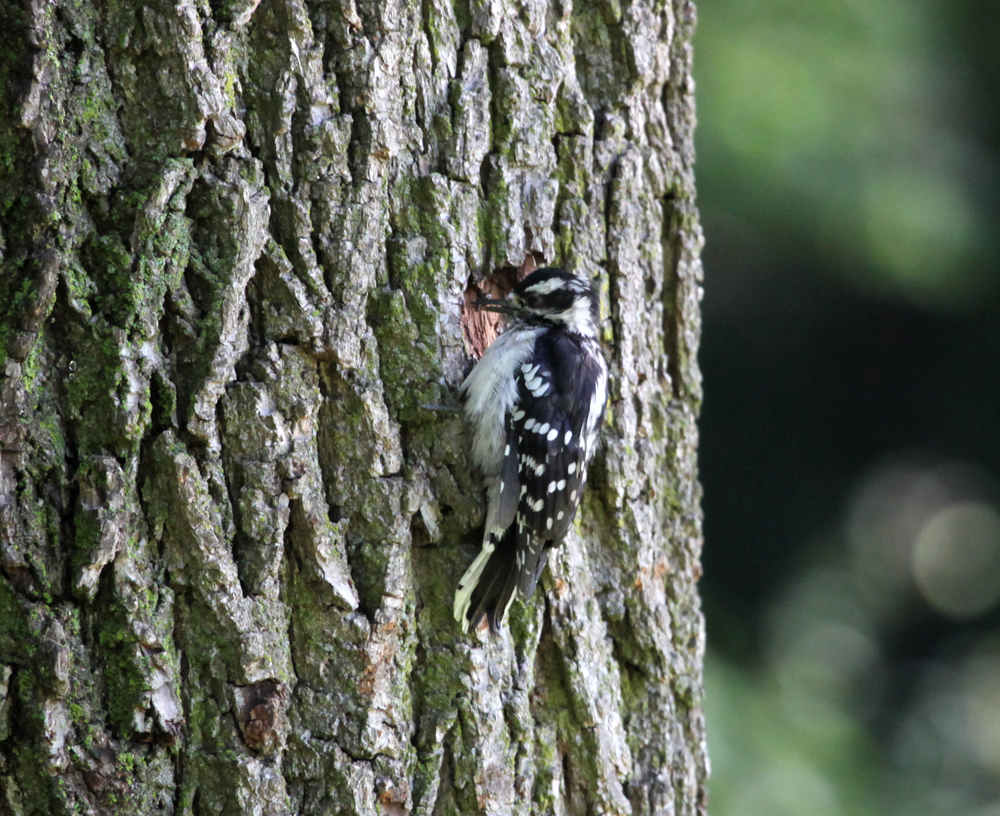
(956, 559)
(983, 702)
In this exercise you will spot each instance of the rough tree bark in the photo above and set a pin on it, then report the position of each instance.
(236, 241)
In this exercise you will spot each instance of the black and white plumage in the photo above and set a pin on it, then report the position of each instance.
(535, 402)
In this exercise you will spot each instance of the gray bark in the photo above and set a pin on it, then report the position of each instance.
(236, 241)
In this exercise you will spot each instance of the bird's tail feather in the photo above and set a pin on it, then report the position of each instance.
(489, 584)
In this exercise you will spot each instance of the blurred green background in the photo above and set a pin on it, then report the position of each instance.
(848, 174)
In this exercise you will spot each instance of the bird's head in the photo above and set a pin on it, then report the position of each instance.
(550, 297)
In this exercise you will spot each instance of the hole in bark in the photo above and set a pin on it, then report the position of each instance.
(481, 328)
(76, 47)
(484, 173)
(419, 534)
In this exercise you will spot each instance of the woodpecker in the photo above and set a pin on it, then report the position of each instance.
(535, 402)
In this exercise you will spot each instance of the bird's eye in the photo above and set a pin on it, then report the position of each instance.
(531, 298)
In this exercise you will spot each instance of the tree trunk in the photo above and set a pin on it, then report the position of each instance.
(237, 237)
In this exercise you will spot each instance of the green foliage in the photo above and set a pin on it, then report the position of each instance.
(838, 130)
(775, 748)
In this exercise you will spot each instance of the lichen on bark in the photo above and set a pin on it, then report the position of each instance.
(236, 241)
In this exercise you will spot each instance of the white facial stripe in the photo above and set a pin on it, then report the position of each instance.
(547, 286)
(578, 317)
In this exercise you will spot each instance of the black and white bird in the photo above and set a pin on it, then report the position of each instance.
(535, 402)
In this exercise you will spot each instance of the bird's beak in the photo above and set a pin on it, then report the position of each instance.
(488, 304)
